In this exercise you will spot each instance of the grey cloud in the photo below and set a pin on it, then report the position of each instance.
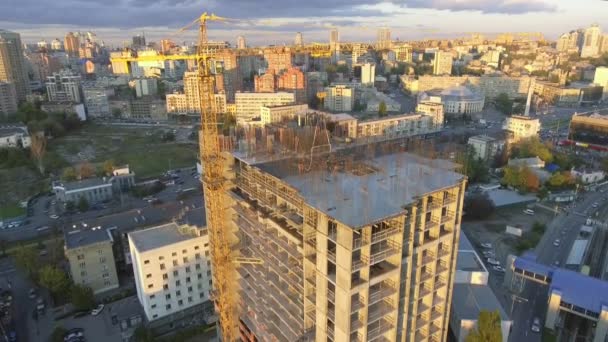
(485, 6)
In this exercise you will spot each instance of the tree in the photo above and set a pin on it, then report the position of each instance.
(26, 259)
(142, 334)
(58, 334)
(86, 170)
(54, 279)
(532, 147)
(478, 206)
(83, 204)
(475, 168)
(69, 174)
(504, 104)
(38, 149)
(382, 109)
(488, 328)
(108, 167)
(116, 113)
(82, 297)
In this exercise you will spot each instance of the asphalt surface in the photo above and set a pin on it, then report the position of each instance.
(566, 228)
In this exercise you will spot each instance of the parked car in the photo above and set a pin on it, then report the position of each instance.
(556, 243)
(486, 245)
(97, 310)
(32, 293)
(535, 325)
(529, 212)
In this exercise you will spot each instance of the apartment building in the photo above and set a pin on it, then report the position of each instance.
(8, 98)
(172, 268)
(273, 114)
(96, 101)
(364, 250)
(12, 64)
(278, 59)
(265, 83)
(406, 124)
(293, 80)
(340, 98)
(90, 257)
(248, 105)
(63, 86)
(442, 64)
(485, 147)
(435, 109)
(522, 127)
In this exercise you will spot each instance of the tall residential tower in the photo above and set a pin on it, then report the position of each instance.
(12, 64)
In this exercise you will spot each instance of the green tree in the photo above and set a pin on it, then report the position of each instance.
(478, 206)
(86, 170)
(382, 109)
(475, 168)
(82, 297)
(504, 104)
(54, 279)
(487, 329)
(342, 68)
(58, 334)
(69, 174)
(532, 147)
(83, 204)
(70, 206)
(142, 334)
(26, 259)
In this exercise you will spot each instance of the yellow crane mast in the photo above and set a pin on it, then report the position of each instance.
(214, 185)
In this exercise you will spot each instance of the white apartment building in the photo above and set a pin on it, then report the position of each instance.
(601, 79)
(63, 87)
(14, 136)
(592, 40)
(339, 98)
(179, 104)
(406, 124)
(442, 64)
(522, 127)
(248, 105)
(272, 114)
(172, 268)
(368, 73)
(435, 109)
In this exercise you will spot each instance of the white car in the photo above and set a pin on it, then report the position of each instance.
(535, 325)
(54, 217)
(595, 205)
(493, 262)
(556, 243)
(529, 212)
(486, 245)
(97, 310)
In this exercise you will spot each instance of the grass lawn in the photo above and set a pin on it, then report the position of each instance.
(10, 211)
(147, 161)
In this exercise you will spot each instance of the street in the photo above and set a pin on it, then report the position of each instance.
(548, 254)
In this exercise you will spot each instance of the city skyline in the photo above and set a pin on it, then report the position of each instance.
(411, 19)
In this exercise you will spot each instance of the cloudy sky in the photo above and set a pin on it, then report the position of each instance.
(276, 21)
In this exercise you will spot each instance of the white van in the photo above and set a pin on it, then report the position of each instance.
(529, 212)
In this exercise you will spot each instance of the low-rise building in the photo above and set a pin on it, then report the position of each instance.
(588, 177)
(472, 295)
(461, 100)
(522, 127)
(435, 109)
(273, 114)
(147, 108)
(90, 257)
(406, 124)
(95, 190)
(172, 268)
(485, 147)
(14, 136)
(96, 102)
(533, 163)
(248, 105)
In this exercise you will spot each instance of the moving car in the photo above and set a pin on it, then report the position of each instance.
(486, 245)
(97, 310)
(529, 212)
(499, 269)
(493, 262)
(535, 325)
(556, 243)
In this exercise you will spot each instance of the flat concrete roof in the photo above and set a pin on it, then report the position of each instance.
(85, 183)
(156, 237)
(84, 236)
(357, 200)
(469, 300)
(467, 261)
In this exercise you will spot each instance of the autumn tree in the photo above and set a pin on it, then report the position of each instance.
(382, 109)
(488, 328)
(38, 150)
(54, 279)
(69, 174)
(86, 170)
(26, 259)
(108, 167)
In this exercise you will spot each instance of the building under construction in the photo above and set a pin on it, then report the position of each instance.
(356, 243)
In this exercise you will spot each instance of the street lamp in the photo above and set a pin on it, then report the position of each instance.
(516, 298)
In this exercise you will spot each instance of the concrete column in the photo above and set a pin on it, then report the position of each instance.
(601, 331)
(555, 298)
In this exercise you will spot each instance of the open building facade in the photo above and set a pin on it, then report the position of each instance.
(357, 245)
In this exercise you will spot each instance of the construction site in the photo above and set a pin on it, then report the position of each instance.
(314, 238)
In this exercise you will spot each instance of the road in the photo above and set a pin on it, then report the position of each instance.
(566, 228)
(39, 218)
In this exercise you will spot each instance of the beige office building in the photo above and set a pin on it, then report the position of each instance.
(522, 127)
(248, 105)
(364, 251)
(274, 114)
(91, 259)
(442, 64)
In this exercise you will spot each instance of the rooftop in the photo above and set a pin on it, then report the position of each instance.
(468, 261)
(81, 184)
(6, 131)
(377, 188)
(469, 300)
(85, 236)
(157, 237)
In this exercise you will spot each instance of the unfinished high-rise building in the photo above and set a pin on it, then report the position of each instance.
(356, 244)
